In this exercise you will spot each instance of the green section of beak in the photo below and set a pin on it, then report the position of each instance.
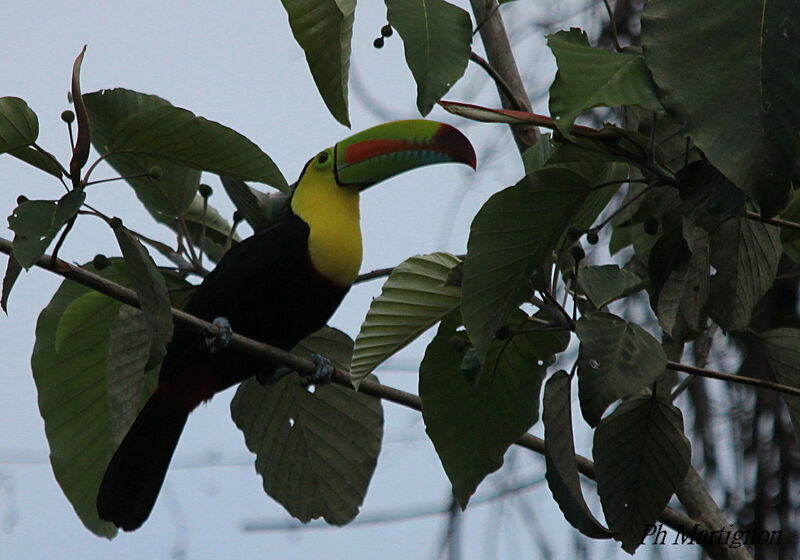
(385, 150)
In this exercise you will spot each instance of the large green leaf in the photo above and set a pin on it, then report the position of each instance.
(472, 425)
(436, 38)
(413, 299)
(169, 195)
(680, 281)
(738, 99)
(641, 456)
(323, 29)
(42, 160)
(315, 450)
(791, 238)
(152, 291)
(606, 283)
(18, 124)
(562, 468)
(515, 232)
(589, 77)
(71, 385)
(782, 347)
(616, 359)
(36, 222)
(745, 254)
(129, 344)
(178, 135)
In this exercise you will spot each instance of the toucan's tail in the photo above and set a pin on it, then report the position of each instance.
(137, 470)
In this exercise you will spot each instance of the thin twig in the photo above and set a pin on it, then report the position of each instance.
(613, 24)
(498, 80)
(785, 224)
(712, 374)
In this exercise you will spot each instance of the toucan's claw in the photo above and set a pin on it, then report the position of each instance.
(222, 338)
(323, 372)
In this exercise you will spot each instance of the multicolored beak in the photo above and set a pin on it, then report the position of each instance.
(385, 150)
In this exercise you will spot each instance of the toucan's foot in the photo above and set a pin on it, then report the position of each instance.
(220, 341)
(270, 376)
(323, 372)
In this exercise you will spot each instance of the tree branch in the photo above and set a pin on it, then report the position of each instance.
(303, 366)
(501, 58)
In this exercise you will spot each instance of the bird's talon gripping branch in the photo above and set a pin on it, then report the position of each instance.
(222, 339)
(323, 372)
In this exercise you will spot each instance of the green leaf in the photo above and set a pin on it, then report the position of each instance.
(472, 426)
(43, 160)
(536, 157)
(129, 344)
(261, 210)
(791, 238)
(75, 315)
(589, 77)
(562, 468)
(745, 254)
(72, 396)
(80, 152)
(217, 228)
(712, 196)
(169, 195)
(323, 29)
(782, 347)
(178, 135)
(436, 38)
(680, 294)
(513, 234)
(740, 83)
(36, 222)
(315, 450)
(616, 359)
(152, 291)
(13, 268)
(641, 457)
(412, 300)
(607, 283)
(19, 126)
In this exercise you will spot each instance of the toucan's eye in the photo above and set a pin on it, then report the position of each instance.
(322, 157)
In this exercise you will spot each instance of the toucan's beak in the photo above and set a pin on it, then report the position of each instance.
(385, 150)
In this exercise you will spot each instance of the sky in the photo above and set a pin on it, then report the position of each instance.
(241, 67)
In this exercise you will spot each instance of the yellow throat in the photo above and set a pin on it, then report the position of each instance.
(332, 215)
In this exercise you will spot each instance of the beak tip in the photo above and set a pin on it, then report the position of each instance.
(458, 145)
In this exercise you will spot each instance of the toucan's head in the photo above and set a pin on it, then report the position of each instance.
(383, 151)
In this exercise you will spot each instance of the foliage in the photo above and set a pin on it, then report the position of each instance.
(684, 189)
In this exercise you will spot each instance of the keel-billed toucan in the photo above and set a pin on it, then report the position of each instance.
(278, 286)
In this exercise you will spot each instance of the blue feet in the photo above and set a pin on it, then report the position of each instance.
(220, 341)
(323, 372)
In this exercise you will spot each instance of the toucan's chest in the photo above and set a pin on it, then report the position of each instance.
(334, 239)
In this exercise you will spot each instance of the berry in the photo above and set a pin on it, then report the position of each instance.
(378, 43)
(22, 198)
(115, 223)
(577, 253)
(592, 238)
(238, 216)
(155, 172)
(67, 116)
(100, 262)
(386, 30)
(205, 190)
